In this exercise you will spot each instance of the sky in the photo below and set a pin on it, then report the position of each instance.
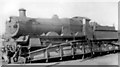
(104, 12)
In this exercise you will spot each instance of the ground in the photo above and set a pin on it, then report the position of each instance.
(111, 59)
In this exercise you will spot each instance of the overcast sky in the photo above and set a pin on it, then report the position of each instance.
(104, 12)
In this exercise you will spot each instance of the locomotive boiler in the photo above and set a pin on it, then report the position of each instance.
(22, 25)
(38, 33)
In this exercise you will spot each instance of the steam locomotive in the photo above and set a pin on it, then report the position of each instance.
(33, 34)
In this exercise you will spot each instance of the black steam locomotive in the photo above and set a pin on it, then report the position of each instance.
(36, 34)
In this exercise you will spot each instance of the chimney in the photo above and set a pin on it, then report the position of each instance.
(22, 12)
